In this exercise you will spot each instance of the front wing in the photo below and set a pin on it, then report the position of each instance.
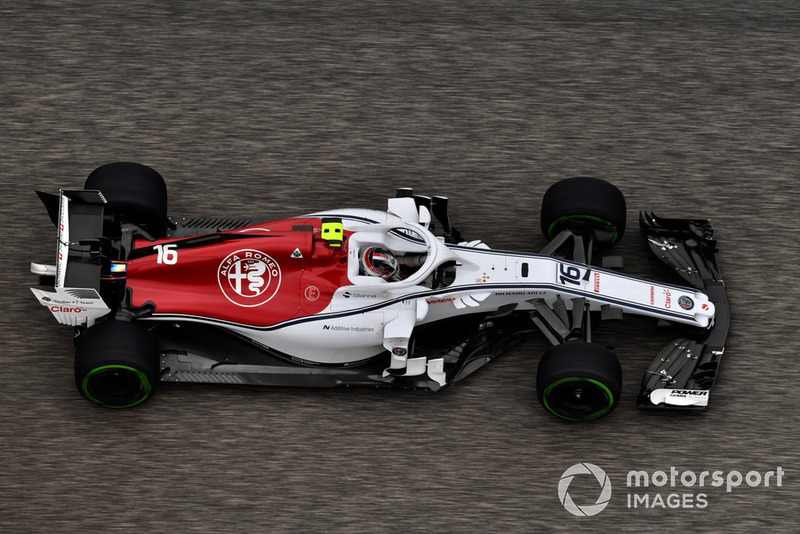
(684, 372)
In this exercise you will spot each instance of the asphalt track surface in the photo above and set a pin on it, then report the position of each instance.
(271, 110)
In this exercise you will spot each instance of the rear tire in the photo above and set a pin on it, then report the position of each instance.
(579, 381)
(586, 201)
(116, 364)
(135, 193)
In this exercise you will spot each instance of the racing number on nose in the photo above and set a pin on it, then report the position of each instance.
(569, 274)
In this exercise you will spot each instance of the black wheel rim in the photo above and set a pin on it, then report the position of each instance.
(116, 386)
(578, 399)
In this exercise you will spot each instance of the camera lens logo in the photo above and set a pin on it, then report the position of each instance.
(584, 469)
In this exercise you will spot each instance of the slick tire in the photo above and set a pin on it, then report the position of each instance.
(589, 202)
(579, 381)
(116, 364)
(135, 193)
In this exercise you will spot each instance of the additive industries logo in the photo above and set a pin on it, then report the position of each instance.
(584, 469)
(249, 277)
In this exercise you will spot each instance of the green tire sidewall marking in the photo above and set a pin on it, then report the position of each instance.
(142, 379)
(596, 414)
(589, 217)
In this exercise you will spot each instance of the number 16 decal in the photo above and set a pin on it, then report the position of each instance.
(569, 274)
(166, 254)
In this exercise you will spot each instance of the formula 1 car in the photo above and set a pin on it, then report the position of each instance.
(358, 297)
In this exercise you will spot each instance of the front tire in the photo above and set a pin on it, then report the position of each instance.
(116, 364)
(579, 381)
(587, 202)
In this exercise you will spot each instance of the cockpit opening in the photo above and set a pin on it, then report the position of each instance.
(396, 254)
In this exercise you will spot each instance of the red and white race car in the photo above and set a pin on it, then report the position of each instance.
(392, 298)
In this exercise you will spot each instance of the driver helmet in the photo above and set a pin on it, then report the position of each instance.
(376, 261)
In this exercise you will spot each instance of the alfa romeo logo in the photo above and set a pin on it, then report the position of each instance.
(249, 278)
(584, 469)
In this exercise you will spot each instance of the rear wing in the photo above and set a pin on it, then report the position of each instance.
(75, 299)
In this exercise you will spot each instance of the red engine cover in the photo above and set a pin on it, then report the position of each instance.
(259, 275)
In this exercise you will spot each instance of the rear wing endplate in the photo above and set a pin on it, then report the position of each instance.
(80, 229)
(75, 299)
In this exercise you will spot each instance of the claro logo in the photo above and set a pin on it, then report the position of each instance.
(66, 309)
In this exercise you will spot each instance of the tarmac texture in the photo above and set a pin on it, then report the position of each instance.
(275, 109)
